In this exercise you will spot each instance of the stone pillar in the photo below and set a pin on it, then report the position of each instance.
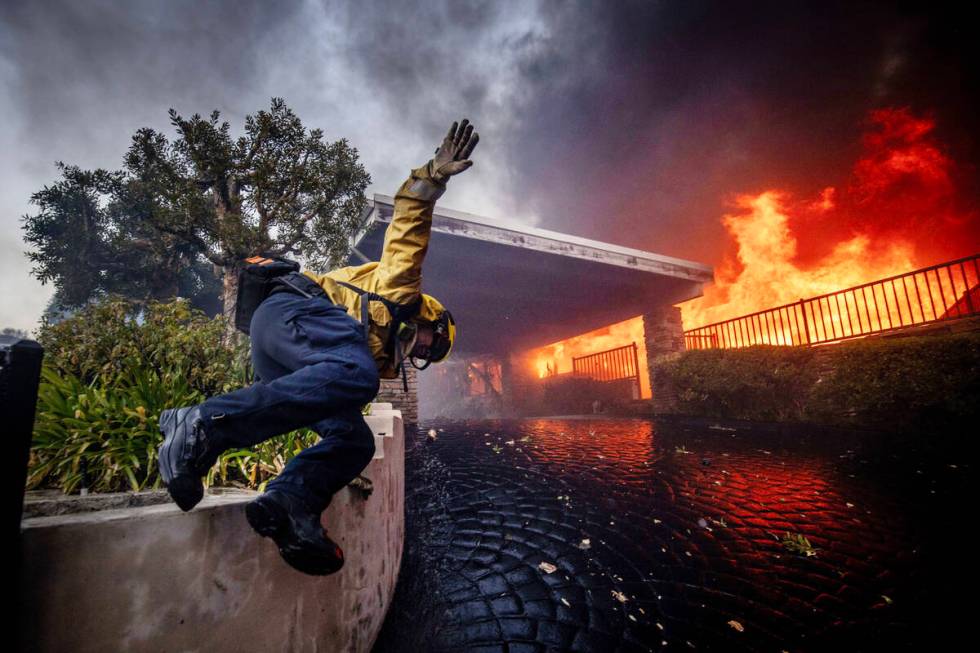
(392, 391)
(663, 333)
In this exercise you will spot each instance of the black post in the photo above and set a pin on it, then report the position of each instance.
(20, 373)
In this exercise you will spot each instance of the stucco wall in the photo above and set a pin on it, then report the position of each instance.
(157, 579)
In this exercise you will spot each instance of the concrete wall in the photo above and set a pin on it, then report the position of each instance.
(158, 579)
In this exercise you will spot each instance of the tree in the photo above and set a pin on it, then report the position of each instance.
(86, 246)
(17, 333)
(204, 198)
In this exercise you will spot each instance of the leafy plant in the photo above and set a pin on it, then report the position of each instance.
(106, 432)
(105, 341)
(799, 544)
(891, 383)
(110, 370)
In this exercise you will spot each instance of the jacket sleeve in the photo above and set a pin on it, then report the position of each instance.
(399, 272)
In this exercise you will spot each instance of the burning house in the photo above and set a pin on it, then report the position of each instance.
(550, 323)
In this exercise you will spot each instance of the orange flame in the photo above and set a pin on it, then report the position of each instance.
(900, 211)
(556, 358)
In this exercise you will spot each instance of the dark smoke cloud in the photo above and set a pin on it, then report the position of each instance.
(630, 122)
(635, 122)
(646, 118)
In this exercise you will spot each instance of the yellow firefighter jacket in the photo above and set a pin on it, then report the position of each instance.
(398, 275)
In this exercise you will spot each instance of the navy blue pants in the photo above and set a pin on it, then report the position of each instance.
(313, 369)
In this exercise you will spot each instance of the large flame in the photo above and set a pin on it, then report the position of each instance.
(557, 358)
(899, 211)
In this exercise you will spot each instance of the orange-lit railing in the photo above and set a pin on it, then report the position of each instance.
(610, 365)
(940, 292)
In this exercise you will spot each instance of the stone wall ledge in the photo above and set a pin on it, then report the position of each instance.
(153, 578)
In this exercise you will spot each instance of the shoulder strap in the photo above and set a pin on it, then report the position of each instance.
(399, 313)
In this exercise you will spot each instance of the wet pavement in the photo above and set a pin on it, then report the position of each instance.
(626, 535)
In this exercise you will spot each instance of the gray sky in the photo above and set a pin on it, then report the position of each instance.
(629, 122)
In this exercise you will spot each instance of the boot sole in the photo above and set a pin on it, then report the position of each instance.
(269, 519)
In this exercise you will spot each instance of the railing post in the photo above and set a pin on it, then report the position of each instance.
(806, 325)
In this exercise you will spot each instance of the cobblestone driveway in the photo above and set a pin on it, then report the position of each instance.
(618, 535)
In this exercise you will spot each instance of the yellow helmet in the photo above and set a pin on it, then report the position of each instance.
(444, 326)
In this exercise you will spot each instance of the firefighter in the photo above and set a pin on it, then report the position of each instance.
(320, 345)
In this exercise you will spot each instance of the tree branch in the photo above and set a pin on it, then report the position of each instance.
(195, 240)
(259, 139)
(287, 248)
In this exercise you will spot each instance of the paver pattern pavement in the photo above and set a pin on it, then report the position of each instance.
(622, 535)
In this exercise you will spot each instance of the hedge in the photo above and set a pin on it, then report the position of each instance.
(874, 382)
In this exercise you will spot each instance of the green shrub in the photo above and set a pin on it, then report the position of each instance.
(104, 342)
(108, 373)
(107, 431)
(901, 381)
(895, 383)
(757, 383)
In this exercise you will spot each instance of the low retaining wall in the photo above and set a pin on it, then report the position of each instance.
(154, 578)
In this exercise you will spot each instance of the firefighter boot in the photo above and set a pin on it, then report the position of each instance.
(296, 530)
(187, 453)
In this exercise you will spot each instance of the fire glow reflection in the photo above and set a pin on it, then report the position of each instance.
(653, 534)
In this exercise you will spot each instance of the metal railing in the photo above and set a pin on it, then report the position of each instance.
(940, 292)
(610, 365)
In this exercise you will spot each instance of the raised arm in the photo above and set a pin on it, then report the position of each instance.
(399, 273)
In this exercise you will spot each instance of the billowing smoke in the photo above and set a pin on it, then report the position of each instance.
(629, 122)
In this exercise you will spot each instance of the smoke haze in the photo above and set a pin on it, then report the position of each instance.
(629, 122)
